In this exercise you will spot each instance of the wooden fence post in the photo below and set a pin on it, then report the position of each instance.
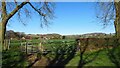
(32, 49)
(78, 44)
(4, 45)
(21, 46)
(8, 44)
(26, 47)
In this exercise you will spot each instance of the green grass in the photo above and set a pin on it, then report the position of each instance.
(14, 55)
(13, 58)
(101, 60)
(74, 61)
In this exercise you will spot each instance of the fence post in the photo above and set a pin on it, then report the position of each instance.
(8, 44)
(32, 48)
(21, 46)
(26, 46)
(78, 44)
(4, 46)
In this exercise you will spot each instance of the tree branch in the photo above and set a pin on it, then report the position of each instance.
(4, 12)
(47, 7)
(42, 14)
(16, 9)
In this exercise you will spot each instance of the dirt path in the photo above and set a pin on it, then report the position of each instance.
(42, 62)
(35, 62)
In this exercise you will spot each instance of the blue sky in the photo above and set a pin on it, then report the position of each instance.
(71, 18)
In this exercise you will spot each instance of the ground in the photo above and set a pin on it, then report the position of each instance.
(34, 61)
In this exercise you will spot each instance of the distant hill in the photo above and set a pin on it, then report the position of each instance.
(94, 34)
(12, 34)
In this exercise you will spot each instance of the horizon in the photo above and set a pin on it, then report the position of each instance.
(72, 18)
(62, 34)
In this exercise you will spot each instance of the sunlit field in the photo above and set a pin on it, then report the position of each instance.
(60, 52)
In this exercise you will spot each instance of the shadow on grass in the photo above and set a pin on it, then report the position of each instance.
(85, 57)
(114, 52)
(63, 54)
(32, 63)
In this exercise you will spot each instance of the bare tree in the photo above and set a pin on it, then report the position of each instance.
(109, 12)
(9, 9)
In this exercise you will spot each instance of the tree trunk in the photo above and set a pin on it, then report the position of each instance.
(117, 20)
(2, 33)
(5, 17)
(1, 40)
(3, 24)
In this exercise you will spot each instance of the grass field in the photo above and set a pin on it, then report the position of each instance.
(101, 60)
(63, 53)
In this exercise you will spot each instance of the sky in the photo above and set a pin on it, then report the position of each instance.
(71, 18)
